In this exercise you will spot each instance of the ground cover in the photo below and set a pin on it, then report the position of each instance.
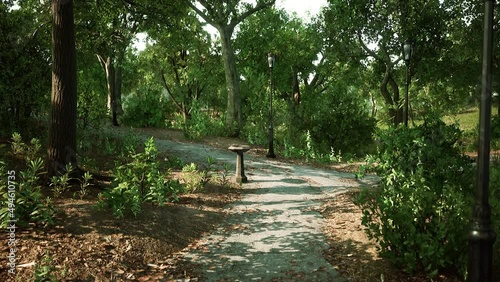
(91, 245)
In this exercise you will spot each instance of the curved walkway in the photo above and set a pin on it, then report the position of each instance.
(274, 233)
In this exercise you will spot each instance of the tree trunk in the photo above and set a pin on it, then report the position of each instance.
(62, 132)
(233, 118)
(109, 70)
(395, 111)
(118, 83)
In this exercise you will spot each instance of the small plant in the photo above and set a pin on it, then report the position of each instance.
(224, 177)
(60, 183)
(138, 181)
(17, 144)
(20, 148)
(84, 184)
(30, 204)
(45, 271)
(193, 178)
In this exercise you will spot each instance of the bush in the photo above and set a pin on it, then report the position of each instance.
(145, 109)
(21, 194)
(137, 182)
(419, 214)
(338, 121)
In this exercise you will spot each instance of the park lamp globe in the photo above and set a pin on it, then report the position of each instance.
(407, 51)
(270, 60)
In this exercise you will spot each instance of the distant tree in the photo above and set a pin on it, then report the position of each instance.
(224, 16)
(62, 131)
(373, 32)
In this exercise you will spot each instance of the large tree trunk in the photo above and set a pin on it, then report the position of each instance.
(233, 118)
(62, 131)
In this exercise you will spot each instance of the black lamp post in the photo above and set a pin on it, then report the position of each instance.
(270, 60)
(407, 53)
(481, 234)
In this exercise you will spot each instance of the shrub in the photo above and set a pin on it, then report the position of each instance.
(137, 182)
(29, 206)
(420, 212)
(145, 109)
(338, 121)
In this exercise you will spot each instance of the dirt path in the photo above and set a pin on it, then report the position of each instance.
(275, 232)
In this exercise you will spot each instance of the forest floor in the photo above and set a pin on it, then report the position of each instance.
(172, 243)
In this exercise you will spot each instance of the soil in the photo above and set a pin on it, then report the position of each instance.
(86, 244)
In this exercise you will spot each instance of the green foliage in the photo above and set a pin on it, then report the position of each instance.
(495, 127)
(84, 184)
(24, 91)
(193, 178)
(203, 123)
(145, 109)
(45, 271)
(91, 98)
(60, 183)
(495, 202)
(336, 122)
(137, 182)
(421, 210)
(30, 206)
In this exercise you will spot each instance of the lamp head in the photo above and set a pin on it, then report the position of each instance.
(407, 51)
(270, 59)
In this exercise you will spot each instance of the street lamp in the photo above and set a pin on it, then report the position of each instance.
(270, 60)
(481, 234)
(407, 53)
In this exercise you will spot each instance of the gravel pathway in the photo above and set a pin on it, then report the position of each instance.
(274, 233)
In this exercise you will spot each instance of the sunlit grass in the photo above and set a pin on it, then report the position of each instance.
(467, 120)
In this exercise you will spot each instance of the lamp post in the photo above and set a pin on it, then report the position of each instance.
(407, 53)
(481, 234)
(270, 60)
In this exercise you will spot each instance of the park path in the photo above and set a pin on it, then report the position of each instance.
(274, 233)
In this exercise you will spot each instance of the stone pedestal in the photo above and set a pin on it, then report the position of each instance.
(240, 168)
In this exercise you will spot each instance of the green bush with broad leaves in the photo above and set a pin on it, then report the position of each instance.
(419, 215)
(137, 182)
(25, 202)
(339, 120)
(146, 108)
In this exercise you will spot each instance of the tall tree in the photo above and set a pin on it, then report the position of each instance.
(108, 29)
(62, 131)
(373, 32)
(225, 15)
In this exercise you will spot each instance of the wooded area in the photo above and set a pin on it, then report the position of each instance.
(70, 69)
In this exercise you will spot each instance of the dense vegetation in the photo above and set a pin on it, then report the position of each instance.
(338, 86)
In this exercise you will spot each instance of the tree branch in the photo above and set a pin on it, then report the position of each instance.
(235, 21)
(164, 80)
(200, 13)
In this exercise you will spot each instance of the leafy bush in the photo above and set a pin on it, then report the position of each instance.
(194, 178)
(148, 108)
(137, 182)
(29, 206)
(419, 215)
(338, 121)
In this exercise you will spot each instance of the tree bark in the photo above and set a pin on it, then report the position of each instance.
(118, 83)
(109, 70)
(62, 132)
(233, 117)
